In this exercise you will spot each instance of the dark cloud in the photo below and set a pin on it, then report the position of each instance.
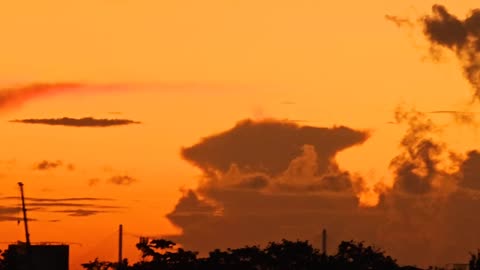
(47, 165)
(269, 146)
(416, 167)
(429, 199)
(470, 171)
(190, 205)
(254, 182)
(243, 217)
(250, 197)
(80, 122)
(122, 180)
(81, 212)
(267, 180)
(54, 220)
(461, 36)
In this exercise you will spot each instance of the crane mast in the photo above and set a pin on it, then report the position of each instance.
(25, 220)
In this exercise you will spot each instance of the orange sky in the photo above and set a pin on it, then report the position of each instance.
(189, 69)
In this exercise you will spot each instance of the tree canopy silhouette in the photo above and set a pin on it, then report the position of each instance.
(284, 255)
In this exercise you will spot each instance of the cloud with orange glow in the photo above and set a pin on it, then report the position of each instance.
(16, 96)
(267, 180)
(272, 179)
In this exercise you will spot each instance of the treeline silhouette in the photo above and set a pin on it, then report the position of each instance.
(286, 255)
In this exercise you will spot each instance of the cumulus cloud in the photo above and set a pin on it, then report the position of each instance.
(274, 143)
(80, 122)
(252, 193)
(267, 180)
(432, 192)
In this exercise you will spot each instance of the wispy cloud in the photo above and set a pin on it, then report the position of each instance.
(64, 204)
(75, 206)
(77, 122)
(123, 180)
(399, 21)
(10, 213)
(460, 117)
(16, 96)
(56, 199)
(9, 210)
(81, 212)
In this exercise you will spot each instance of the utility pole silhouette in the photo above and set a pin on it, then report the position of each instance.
(324, 242)
(120, 247)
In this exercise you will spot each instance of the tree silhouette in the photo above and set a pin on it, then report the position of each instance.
(474, 263)
(353, 255)
(7, 260)
(292, 255)
(98, 265)
(163, 254)
(242, 258)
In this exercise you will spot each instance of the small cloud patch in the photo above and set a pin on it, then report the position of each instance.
(77, 122)
(122, 180)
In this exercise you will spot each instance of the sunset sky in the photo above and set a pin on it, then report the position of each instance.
(179, 92)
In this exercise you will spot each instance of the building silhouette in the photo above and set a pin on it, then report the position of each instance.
(42, 257)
